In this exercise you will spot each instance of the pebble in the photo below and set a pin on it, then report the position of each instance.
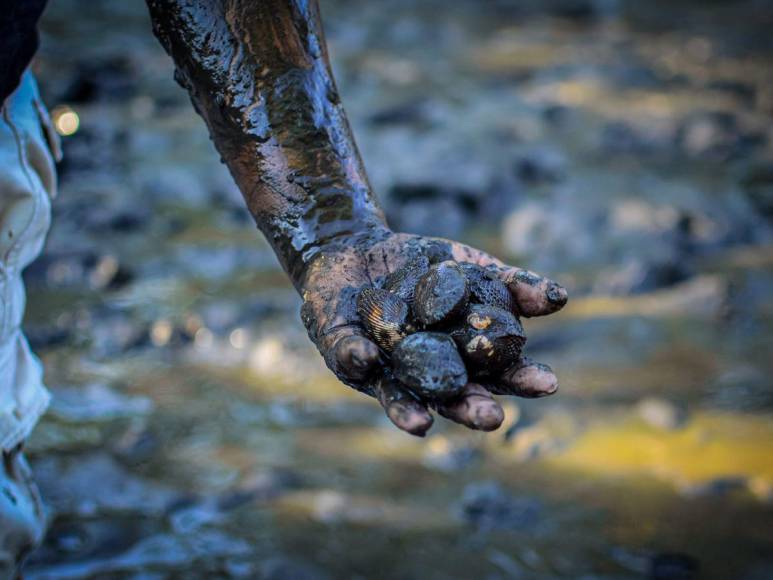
(488, 506)
(662, 414)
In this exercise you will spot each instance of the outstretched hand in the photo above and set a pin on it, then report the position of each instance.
(336, 276)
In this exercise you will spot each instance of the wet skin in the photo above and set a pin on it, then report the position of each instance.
(259, 75)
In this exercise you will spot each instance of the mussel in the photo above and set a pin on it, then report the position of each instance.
(403, 282)
(486, 288)
(441, 294)
(428, 363)
(384, 315)
(490, 339)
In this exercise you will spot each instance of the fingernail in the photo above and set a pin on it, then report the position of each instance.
(488, 418)
(557, 294)
(552, 387)
(420, 429)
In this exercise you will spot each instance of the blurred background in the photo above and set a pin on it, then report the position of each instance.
(621, 147)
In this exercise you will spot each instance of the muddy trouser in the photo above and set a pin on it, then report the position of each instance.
(27, 185)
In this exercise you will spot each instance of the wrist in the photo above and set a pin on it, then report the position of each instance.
(336, 246)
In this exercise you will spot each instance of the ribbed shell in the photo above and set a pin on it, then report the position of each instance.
(441, 294)
(486, 288)
(384, 315)
(490, 339)
(429, 364)
(403, 282)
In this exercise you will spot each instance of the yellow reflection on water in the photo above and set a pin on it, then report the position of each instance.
(712, 446)
(699, 296)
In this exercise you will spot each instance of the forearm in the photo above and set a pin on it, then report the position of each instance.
(257, 71)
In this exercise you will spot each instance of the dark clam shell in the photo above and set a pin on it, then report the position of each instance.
(441, 294)
(429, 364)
(384, 315)
(403, 281)
(490, 339)
(486, 288)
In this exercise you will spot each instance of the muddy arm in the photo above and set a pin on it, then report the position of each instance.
(257, 71)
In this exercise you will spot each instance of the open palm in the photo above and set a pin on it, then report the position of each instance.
(332, 283)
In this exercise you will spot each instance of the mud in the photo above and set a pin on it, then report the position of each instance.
(260, 77)
(272, 469)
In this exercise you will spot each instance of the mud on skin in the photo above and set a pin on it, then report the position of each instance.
(330, 311)
(258, 74)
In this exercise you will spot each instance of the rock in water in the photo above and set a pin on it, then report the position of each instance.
(490, 339)
(429, 364)
(403, 282)
(486, 288)
(384, 315)
(441, 294)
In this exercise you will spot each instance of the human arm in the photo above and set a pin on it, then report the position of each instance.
(259, 75)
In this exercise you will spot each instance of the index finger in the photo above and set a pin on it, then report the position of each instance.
(534, 295)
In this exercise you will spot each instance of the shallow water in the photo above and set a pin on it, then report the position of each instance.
(195, 433)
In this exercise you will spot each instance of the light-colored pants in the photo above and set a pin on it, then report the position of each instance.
(27, 185)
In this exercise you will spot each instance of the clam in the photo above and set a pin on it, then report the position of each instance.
(403, 281)
(486, 288)
(384, 315)
(490, 339)
(441, 294)
(428, 364)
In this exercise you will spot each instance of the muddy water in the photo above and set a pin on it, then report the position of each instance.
(194, 431)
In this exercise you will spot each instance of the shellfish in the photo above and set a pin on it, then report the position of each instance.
(384, 315)
(486, 288)
(428, 363)
(403, 282)
(441, 294)
(490, 339)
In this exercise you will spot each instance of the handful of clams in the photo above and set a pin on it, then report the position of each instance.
(441, 325)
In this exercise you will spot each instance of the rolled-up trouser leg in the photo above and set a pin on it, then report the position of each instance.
(27, 184)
